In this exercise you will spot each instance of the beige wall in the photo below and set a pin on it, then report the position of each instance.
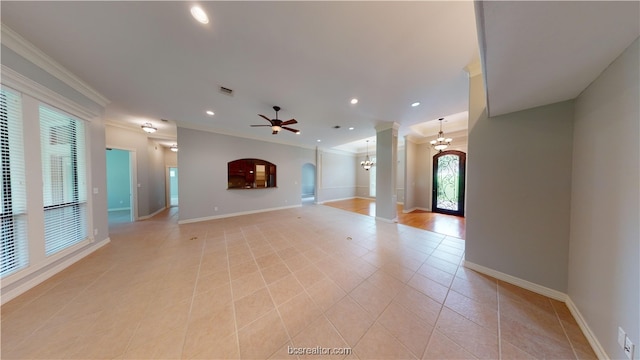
(518, 190)
(202, 184)
(604, 257)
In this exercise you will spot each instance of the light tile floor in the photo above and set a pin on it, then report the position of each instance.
(256, 285)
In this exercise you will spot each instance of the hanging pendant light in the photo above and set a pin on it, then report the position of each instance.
(367, 163)
(441, 142)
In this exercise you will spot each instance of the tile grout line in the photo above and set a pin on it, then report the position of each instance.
(233, 302)
(564, 330)
(270, 295)
(499, 317)
(193, 295)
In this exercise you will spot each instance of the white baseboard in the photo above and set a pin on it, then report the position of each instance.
(586, 330)
(207, 218)
(554, 294)
(393, 221)
(539, 289)
(152, 215)
(406, 211)
(341, 199)
(19, 290)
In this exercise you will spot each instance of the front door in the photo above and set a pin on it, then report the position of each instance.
(448, 182)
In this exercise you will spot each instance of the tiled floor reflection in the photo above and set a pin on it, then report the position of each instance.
(258, 285)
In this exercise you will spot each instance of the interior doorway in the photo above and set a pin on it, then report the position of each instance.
(120, 190)
(449, 182)
(308, 183)
(173, 186)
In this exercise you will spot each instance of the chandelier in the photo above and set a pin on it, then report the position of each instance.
(148, 127)
(441, 142)
(367, 163)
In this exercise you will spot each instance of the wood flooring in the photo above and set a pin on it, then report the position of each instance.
(439, 223)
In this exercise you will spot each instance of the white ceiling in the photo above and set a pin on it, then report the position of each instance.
(153, 61)
(541, 52)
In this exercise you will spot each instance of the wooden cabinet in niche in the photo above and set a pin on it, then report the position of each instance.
(251, 174)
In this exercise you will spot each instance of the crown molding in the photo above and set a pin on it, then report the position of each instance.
(23, 84)
(387, 125)
(473, 69)
(27, 50)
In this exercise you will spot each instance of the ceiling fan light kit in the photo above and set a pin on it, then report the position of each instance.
(277, 125)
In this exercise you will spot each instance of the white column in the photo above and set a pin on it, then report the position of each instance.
(386, 163)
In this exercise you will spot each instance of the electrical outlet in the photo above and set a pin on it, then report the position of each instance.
(215, 208)
(628, 347)
(95, 232)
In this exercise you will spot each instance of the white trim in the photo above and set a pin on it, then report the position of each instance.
(27, 50)
(23, 84)
(133, 178)
(414, 209)
(145, 217)
(473, 69)
(586, 330)
(215, 217)
(386, 126)
(51, 272)
(393, 221)
(119, 209)
(46, 261)
(339, 152)
(341, 199)
(554, 294)
(539, 289)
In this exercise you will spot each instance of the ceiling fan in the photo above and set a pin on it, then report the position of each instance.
(277, 124)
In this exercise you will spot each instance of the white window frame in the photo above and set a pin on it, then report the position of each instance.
(34, 94)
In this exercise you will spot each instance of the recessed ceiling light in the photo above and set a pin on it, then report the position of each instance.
(354, 101)
(351, 128)
(415, 104)
(298, 132)
(199, 15)
(318, 140)
(210, 113)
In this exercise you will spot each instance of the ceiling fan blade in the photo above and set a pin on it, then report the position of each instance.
(290, 122)
(264, 117)
(290, 129)
(259, 125)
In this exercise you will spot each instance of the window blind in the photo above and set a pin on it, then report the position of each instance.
(62, 139)
(13, 202)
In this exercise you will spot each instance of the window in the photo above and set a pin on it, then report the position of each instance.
(13, 207)
(62, 139)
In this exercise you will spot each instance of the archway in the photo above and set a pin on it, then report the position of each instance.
(308, 183)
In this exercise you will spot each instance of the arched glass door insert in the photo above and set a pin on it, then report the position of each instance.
(448, 182)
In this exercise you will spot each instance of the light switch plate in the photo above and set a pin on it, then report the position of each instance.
(628, 348)
(621, 337)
